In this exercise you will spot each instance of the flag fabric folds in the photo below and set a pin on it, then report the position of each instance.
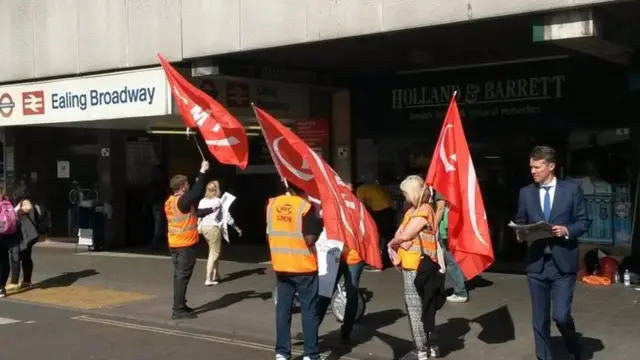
(345, 218)
(224, 135)
(452, 174)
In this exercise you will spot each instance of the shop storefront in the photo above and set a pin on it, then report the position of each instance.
(577, 105)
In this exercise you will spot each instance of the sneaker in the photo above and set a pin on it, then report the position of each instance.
(457, 299)
(281, 357)
(411, 355)
(423, 354)
(345, 339)
(298, 338)
(25, 285)
(371, 269)
(211, 283)
(183, 315)
(12, 287)
(434, 351)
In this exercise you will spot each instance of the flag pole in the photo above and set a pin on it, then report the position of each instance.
(195, 140)
(273, 155)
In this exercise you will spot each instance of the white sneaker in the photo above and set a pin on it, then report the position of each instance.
(210, 283)
(280, 357)
(457, 299)
(423, 355)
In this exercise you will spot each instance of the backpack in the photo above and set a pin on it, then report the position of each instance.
(8, 218)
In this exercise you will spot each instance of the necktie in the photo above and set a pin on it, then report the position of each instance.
(546, 208)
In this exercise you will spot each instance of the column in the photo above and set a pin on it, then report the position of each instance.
(111, 160)
(341, 134)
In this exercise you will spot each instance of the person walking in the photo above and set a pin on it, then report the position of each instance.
(552, 263)
(8, 232)
(293, 229)
(213, 218)
(422, 264)
(182, 234)
(460, 293)
(33, 224)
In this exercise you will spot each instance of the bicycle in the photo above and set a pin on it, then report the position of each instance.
(338, 301)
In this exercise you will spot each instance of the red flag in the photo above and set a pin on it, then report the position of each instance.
(451, 173)
(224, 134)
(345, 217)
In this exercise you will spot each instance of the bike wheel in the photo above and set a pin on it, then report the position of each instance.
(339, 305)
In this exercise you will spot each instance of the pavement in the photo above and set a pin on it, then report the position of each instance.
(37, 332)
(134, 288)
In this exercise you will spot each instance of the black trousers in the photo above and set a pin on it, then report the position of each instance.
(184, 260)
(21, 258)
(430, 287)
(4, 264)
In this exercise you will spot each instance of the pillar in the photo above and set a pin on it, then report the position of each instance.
(112, 173)
(341, 134)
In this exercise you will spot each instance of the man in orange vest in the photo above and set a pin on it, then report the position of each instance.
(182, 225)
(293, 229)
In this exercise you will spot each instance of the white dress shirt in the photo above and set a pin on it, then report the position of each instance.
(552, 193)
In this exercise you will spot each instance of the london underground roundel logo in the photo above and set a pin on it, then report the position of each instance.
(6, 105)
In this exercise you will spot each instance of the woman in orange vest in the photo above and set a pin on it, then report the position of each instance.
(422, 264)
(183, 236)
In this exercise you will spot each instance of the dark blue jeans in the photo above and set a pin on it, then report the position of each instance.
(307, 288)
(351, 275)
(454, 272)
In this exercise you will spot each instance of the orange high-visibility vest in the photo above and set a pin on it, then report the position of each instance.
(410, 258)
(289, 252)
(350, 256)
(182, 228)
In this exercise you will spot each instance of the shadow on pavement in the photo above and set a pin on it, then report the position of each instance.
(590, 346)
(65, 279)
(230, 299)
(368, 329)
(496, 327)
(478, 283)
(244, 273)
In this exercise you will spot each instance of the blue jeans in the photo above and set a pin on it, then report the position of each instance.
(351, 275)
(454, 272)
(307, 288)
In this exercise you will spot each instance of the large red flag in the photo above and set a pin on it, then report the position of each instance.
(345, 217)
(224, 134)
(451, 173)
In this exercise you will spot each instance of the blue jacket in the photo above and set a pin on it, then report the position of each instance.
(568, 209)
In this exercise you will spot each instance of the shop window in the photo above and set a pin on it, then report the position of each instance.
(599, 160)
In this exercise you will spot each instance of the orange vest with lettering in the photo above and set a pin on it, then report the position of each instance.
(289, 252)
(410, 258)
(182, 228)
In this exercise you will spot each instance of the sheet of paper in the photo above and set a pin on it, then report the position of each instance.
(532, 232)
(226, 200)
(329, 252)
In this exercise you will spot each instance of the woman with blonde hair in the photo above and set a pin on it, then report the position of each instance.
(422, 264)
(213, 219)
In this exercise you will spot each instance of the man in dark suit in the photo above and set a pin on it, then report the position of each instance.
(552, 264)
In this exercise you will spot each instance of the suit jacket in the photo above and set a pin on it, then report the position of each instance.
(568, 209)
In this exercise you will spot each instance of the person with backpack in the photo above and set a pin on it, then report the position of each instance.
(33, 223)
(8, 233)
